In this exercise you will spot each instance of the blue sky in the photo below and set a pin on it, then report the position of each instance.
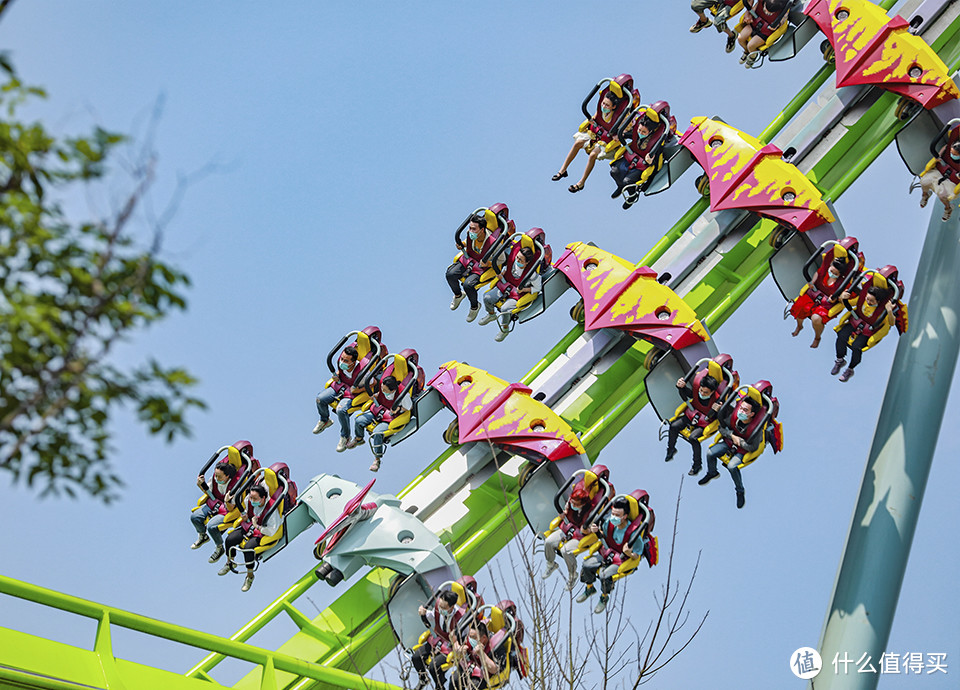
(350, 140)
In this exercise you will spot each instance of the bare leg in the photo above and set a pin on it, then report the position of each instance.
(744, 38)
(754, 43)
(577, 145)
(591, 161)
(817, 329)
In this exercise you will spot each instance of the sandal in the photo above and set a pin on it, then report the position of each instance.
(574, 188)
(559, 176)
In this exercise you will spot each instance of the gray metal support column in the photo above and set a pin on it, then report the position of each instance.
(878, 545)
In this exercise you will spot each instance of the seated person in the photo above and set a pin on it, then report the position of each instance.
(699, 412)
(613, 556)
(471, 265)
(209, 516)
(760, 26)
(641, 155)
(942, 174)
(723, 10)
(345, 387)
(565, 537)
(256, 523)
(441, 622)
(386, 408)
(596, 134)
(477, 661)
(519, 283)
(743, 436)
(868, 321)
(818, 300)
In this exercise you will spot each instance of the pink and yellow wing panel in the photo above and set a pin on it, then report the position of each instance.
(746, 174)
(872, 48)
(616, 294)
(490, 409)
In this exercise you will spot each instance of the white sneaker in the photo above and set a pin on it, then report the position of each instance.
(487, 318)
(456, 302)
(215, 556)
(201, 540)
(228, 567)
(501, 335)
(354, 442)
(549, 571)
(472, 314)
(342, 445)
(321, 425)
(247, 582)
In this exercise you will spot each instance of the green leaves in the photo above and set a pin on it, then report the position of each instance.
(68, 292)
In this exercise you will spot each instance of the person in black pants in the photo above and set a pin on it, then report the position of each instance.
(859, 323)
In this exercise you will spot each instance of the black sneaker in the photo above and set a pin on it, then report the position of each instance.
(670, 453)
(695, 470)
(740, 498)
(731, 43)
(616, 192)
(708, 477)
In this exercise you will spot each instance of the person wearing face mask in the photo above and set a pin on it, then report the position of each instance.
(942, 175)
(867, 320)
(348, 375)
(254, 524)
(737, 439)
(471, 266)
(565, 538)
(477, 661)
(387, 405)
(700, 411)
(515, 282)
(640, 156)
(208, 518)
(593, 137)
(762, 24)
(614, 550)
(441, 621)
(817, 301)
(723, 11)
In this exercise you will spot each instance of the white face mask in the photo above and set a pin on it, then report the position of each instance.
(833, 274)
(387, 395)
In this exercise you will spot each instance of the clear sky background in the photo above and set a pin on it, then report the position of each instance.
(351, 139)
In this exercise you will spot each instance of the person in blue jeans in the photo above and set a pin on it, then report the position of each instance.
(383, 411)
(733, 442)
(347, 376)
(219, 497)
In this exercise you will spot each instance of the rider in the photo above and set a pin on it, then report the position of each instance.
(383, 410)
(208, 518)
(817, 302)
(596, 133)
(643, 140)
(511, 286)
(250, 528)
(566, 537)
(701, 410)
(471, 265)
(736, 438)
(345, 386)
(614, 551)
(763, 23)
(863, 324)
(942, 174)
(478, 661)
(442, 622)
(724, 10)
